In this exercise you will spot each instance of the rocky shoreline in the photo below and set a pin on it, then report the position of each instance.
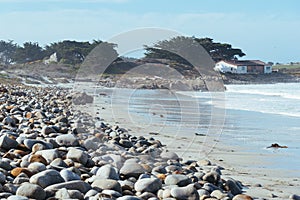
(50, 151)
(53, 75)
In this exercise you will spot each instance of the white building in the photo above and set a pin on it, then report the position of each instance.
(243, 67)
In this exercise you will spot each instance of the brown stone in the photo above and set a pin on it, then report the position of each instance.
(16, 171)
(9, 155)
(38, 158)
(242, 197)
(9, 107)
(161, 176)
(20, 152)
(28, 115)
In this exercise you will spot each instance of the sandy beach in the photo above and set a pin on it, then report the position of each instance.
(260, 181)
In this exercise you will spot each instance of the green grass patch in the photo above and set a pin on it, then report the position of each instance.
(295, 66)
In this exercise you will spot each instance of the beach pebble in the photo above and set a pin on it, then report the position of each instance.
(111, 193)
(37, 158)
(218, 194)
(233, 187)
(169, 155)
(47, 130)
(242, 197)
(67, 140)
(36, 167)
(32, 191)
(18, 170)
(203, 162)
(128, 197)
(46, 178)
(148, 185)
(16, 197)
(107, 184)
(58, 163)
(211, 177)
(29, 143)
(132, 169)
(177, 179)
(48, 154)
(77, 155)
(63, 193)
(5, 164)
(7, 143)
(79, 185)
(68, 175)
(108, 172)
(92, 143)
(187, 192)
(294, 197)
(2, 178)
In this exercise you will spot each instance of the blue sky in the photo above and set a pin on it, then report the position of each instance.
(263, 29)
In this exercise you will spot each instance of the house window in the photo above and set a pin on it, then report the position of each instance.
(243, 68)
(268, 68)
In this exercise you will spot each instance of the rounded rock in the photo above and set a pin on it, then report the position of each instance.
(31, 191)
(46, 178)
(148, 185)
(177, 179)
(67, 140)
(68, 175)
(187, 192)
(107, 184)
(108, 172)
(77, 155)
(242, 197)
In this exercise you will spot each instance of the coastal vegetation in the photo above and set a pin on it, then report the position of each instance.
(74, 52)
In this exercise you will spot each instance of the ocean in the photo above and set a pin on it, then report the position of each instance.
(250, 117)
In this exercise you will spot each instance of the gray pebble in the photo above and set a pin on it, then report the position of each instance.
(31, 191)
(148, 185)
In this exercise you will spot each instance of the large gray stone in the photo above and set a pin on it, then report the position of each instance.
(211, 177)
(67, 140)
(108, 172)
(107, 184)
(148, 185)
(2, 178)
(169, 155)
(47, 130)
(185, 193)
(128, 197)
(232, 186)
(70, 185)
(46, 178)
(177, 179)
(48, 154)
(32, 191)
(7, 143)
(68, 175)
(77, 155)
(92, 143)
(132, 169)
(16, 197)
(30, 142)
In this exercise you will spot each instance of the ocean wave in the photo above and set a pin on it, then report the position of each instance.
(264, 93)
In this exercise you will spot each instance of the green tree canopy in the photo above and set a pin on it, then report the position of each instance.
(71, 52)
(7, 51)
(218, 51)
(31, 51)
